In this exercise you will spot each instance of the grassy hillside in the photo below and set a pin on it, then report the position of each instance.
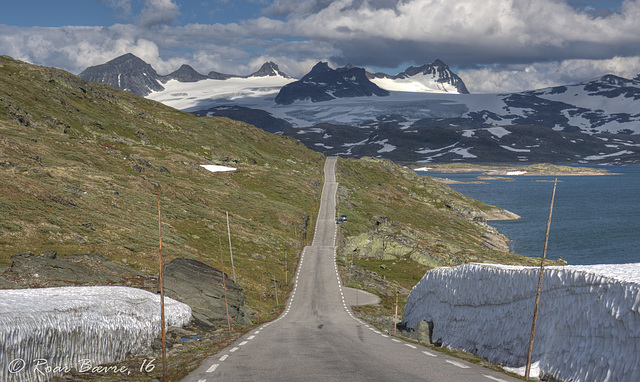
(81, 163)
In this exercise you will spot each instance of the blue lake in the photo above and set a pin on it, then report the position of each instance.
(596, 219)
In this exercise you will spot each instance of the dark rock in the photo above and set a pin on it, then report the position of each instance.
(200, 286)
(46, 270)
(48, 255)
(421, 332)
(184, 74)
(323, 84)
(126, 72)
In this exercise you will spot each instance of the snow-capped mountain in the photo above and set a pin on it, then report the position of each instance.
(269, 69)
(132, 74)
(323, 84)
(340, 111)
(435, 77)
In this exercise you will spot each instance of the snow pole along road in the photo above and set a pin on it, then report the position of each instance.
(317, 338)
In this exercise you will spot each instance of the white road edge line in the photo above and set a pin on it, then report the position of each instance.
(234, 349)
(458, 364)
(429, 354)
(224, 357)
(213, 368)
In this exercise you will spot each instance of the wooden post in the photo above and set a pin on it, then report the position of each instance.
(395, 320)
(535, 310)
(224, 285)
(162, 328)
(230, 250)
(275, 286)
(260, 301)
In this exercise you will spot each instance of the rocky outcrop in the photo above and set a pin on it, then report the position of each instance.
(388, 239)
(191, 282)
(47, 270)
(371, 281)
(200, 286)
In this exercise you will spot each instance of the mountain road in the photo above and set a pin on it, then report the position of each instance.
(317, 338)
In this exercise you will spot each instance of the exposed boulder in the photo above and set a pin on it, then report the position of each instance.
(200, 286)
(47, 270)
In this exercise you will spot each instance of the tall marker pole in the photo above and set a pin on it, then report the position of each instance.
(230, 250)
(535, 310)
(224, 285)
(164, 337)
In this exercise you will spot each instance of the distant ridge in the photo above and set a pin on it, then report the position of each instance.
(323, 84)
(436, 76)
(130, 73)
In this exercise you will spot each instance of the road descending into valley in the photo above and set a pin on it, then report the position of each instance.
(318, 339)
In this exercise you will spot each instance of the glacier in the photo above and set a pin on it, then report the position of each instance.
(67, 326)
(588, 324)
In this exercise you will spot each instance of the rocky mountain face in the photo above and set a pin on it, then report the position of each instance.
(323, 84)
(126, 72)
(268, 69)
(436, 75)
(184, 74)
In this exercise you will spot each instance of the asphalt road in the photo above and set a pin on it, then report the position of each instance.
(318, 339)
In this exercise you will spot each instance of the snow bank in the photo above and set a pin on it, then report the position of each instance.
(588, 324)
(217, 168)
(64, 326)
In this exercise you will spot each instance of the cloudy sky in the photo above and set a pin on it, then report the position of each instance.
(494, 45)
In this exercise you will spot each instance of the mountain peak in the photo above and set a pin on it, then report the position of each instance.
(323, 84)
(268, 69)
(184, 74)
(127, 72)
(319, 68)
(434, 77)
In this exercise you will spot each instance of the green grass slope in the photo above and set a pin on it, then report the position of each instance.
(81, 163)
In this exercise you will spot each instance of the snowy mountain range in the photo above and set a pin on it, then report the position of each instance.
(421, 114)
(132, 74)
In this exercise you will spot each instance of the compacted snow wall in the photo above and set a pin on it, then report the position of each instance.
(64, 326)
(588, 323)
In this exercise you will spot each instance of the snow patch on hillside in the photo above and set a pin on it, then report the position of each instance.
(64, 326)
(588, 324)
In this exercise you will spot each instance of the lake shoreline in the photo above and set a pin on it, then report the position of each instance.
(498, 169)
